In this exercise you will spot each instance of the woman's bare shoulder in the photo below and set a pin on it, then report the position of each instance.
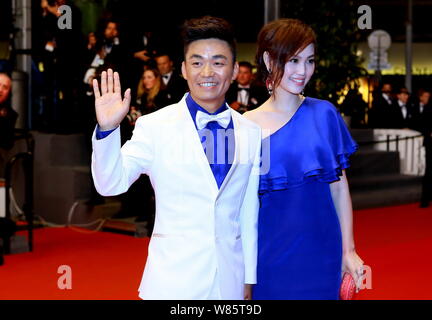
(255, 115)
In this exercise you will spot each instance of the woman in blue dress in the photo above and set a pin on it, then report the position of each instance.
(305, 230)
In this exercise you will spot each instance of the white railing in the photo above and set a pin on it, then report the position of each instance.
(408, 143)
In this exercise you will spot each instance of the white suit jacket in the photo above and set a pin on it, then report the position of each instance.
(199, 230)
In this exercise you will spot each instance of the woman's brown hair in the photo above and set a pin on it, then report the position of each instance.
(153, 92)
(282, 39)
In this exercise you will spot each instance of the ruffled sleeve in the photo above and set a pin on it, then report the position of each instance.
(314, 145)
(339, 145)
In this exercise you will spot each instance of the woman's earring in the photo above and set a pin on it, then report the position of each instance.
(269, 86)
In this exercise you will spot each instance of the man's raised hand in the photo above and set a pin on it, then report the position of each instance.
(110, 108)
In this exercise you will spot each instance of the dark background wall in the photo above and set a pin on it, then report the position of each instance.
(5, 19)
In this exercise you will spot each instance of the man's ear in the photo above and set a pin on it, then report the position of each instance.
(235, 71)
(266, 58)
(183, 69)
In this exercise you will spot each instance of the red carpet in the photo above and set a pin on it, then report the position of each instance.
(104, 266)
(396, 242)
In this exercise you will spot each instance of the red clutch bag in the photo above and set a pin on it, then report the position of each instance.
(348, 287)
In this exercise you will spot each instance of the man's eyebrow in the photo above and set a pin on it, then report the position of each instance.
(195, 56)
(217, 56)
(220, 56)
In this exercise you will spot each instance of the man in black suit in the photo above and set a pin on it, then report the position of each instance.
(244, 95)
(173, 82)
(420, 108)
(381, 107)
(423, 123)
(57, 54)
(109, 51)
(144, 49)
(402, 111)
(143, 46)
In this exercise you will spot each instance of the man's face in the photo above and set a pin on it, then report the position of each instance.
(425, 97)
(386, 88)
(403, 97)
(44, 4)
(209, 69)
(164, 64)
(244, 76)
(5, 87)
(111, 31)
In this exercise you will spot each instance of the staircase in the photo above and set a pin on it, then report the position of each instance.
(62, 181)
(374, 176)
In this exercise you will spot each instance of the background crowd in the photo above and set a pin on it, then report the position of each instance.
(66, 62)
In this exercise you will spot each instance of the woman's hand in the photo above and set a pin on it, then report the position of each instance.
(248, 291)
(353, 264)
(110, 108)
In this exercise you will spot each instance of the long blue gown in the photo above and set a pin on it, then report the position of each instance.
(299, 235)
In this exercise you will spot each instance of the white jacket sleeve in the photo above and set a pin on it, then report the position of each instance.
(114, 169)
(249, 220)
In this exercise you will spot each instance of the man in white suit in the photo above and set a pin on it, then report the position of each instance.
(203, 161)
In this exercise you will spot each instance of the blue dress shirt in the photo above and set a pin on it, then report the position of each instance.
(220, 135)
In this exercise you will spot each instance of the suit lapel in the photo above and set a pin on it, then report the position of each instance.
(238, 143)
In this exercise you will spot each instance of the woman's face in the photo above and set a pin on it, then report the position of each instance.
(298, 70)
(149, 79)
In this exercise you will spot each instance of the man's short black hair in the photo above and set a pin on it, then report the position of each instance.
(246, 64)
(423, 90)
(208, 27)
(162, 54)
(111, 20)
(385, 83)
(402, 90)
